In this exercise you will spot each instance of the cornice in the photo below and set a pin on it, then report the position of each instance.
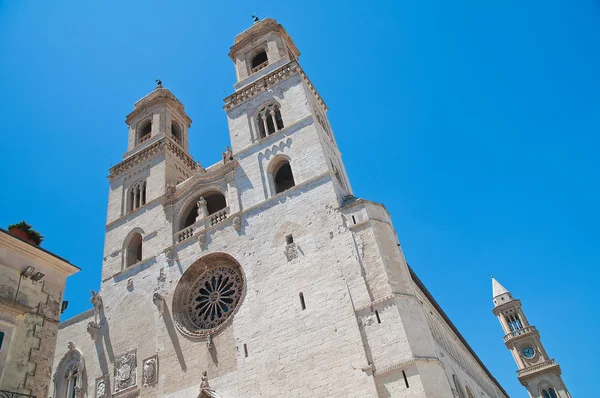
(516, 303)
(199, 177)
(159, 95)
(549, 366)
(408, 362)
(136, 159)
(267, 81)
(260, 29)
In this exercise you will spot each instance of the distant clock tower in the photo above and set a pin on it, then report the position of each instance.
(537, 372)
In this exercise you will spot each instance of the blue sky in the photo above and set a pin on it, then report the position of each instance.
(476, 123)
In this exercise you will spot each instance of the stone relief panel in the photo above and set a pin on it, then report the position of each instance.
(102, 387)
(150, 371)
(125, 371)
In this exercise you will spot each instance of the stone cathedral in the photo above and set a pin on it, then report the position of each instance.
(261, 275)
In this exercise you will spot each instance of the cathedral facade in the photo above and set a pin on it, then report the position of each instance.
(261, 275)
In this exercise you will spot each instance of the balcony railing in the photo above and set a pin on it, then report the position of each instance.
(517, 333)
(10, 394)
(144, 139)
(534, 368)
(259, 67)
(185, 233)
(177, 140)
(219, 216)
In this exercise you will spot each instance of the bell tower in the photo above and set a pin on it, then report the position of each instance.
(537, 372)
(277, 115)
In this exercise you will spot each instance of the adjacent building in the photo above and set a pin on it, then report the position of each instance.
(539, 373)
(32, 281)
(261, 275)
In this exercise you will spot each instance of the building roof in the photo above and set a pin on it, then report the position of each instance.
(497, 288)
(39, 248)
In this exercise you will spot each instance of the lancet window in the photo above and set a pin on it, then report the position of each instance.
(514, 323)
(136, 196)
(269, 120)
(176, 132)
(134, 249)
(69, 378)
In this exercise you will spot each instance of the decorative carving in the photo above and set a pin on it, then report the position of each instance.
(159, 302)
(207, 295)
(202, 210)
(96, 299)
(102, 387)
(150, 371)
(169, 254)
(94, 330)
(161, 275)
(291, 252)
(130, 284)
(202, 238)
(227, 155)
(125, 371)
(199, 168)
(170, 190)
(209, 342)
(204, 382)
(237, 223)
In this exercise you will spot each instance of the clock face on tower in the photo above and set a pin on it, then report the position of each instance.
(528, 352)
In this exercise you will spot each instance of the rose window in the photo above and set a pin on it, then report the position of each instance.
(207, 295)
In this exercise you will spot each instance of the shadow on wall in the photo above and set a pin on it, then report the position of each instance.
(174, 339)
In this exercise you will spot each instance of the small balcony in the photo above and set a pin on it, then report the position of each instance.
(143, 139)
(207, 222)
(259, 67)
(520, 332)
(535, 368)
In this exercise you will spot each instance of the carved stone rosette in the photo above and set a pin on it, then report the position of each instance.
(150, 371)
(102, 387)
(125, 371)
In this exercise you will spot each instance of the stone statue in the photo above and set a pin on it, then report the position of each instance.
(200, 168)
(202, 210)
(255, 18)
(228, 154)
(170, 190)
(204, 383)
(158, 83)
(96, 300)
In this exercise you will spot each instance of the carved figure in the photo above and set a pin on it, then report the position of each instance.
(227, 155)
(204, 383)
(202, 210)
(200, 168)
(96, 300)
(202, 238)
(94, 330)
(149, 372)
(159, 302)
(100, 388)
(237, 223)
(291, 252)
(170, 190)
(130, 284)
(209, 342)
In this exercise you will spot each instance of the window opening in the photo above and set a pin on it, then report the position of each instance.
(353, 219)
(215, 201)
(284, 179)
(302, 303)
(176, 132)
(1, 339)
(245, 351)
(145, 132)
(289, 239)
(405, 379)
(258, 60)
(137, 196)
(549, 393)
(269, 120)
(377, 315)
(134, 249)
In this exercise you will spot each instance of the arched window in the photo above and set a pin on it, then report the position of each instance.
(549, 393)
(259, 61)
(145, 132)
(213, 201)
(69, 378)
(269, 120)
(137, 195)
(283, 179)
(176, 132)
(134, 249)
(457, 386)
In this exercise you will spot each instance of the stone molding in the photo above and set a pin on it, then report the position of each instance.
(259, 29)
(549, 366)
(384, 299)
(405, 364)
(269, 80)
(13, 307)
(160, 94)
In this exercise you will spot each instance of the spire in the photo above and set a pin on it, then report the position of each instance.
(497, 288)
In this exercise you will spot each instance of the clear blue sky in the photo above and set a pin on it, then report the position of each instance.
(476, 123)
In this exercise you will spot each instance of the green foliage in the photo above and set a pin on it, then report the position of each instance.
(34, 235)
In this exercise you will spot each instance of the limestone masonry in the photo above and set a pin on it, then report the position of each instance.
(261, 275)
